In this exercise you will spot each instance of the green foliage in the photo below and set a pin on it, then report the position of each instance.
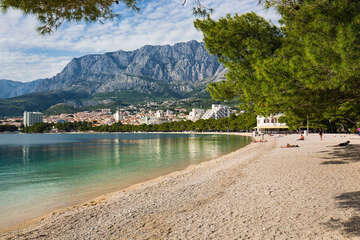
(243, 122)
(60, 108)
(38, 128)
(37, 102)
(308, 69)
(8, 128)
(240, 42)
(53, 103)
(53, 13)
(75, 126)
(126, 97)
(234, 123)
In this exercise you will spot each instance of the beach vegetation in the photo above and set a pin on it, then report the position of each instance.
(52, 14)
(307, 66)
(38, 128)
(242, 122)
(8, 128)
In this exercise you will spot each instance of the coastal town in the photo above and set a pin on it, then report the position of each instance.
(189, 119)
(131, 115)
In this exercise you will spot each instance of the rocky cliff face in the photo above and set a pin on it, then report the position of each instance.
(177, 69)
(10, 88)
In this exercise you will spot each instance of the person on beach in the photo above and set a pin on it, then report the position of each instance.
(321, 134)
(289, 146)
(302, 138)
(344, 144)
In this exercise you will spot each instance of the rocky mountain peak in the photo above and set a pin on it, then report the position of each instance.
(180, 68)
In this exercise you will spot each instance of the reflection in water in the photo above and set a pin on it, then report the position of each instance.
(116, 151)
(157, 148)
(192, 147)
(25, 150)
(58, 170)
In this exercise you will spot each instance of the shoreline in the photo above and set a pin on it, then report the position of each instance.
(261, 191)
(106, 195)
(187, 132)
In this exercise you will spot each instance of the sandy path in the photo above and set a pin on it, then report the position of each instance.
(259, 192)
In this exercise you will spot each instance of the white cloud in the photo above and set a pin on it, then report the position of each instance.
(16, 65)
(159, 22)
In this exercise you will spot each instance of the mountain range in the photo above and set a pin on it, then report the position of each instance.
(177, 71)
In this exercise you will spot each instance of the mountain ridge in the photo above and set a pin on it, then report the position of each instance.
(181, 67)
(176, 71)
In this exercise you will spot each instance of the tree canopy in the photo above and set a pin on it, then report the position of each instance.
(242, 122)
(308, 67)
(51, 14)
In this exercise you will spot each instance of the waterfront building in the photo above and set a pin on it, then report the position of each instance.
(152, 120)
(270, 123)
(30, 118)
(118, 116)
(196, 114)
(169, 113)
(217, 111)
(159, 114)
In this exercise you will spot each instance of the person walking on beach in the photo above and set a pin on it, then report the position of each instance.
(320, 134)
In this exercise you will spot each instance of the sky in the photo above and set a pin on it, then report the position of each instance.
(25, 55)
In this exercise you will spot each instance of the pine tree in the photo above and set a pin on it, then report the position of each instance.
(308, 68)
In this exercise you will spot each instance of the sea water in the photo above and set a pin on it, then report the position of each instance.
(42, 172)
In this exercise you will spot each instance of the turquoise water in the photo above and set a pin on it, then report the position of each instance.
(43, 172)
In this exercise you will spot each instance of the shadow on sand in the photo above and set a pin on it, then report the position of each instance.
(342, 155)
(350, 200)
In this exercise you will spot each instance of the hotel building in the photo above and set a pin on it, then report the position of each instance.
(30, 118)
(270, 123)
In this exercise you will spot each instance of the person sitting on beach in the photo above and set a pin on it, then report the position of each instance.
(344, 144)
(259, 141)
(289, 146)
(301, 138)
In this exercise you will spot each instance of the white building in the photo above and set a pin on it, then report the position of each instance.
(30, 118)
(169, 113)
(159, 114)
(270, 123)
(196, 114)
(217, 111)
(151, 120)
(118, 116)
(105, 110)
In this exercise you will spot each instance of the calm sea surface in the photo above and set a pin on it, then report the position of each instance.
(43, 172)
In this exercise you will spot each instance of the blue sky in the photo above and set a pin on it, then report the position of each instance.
(25, 55)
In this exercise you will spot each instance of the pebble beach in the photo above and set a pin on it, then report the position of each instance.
(261, 191)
